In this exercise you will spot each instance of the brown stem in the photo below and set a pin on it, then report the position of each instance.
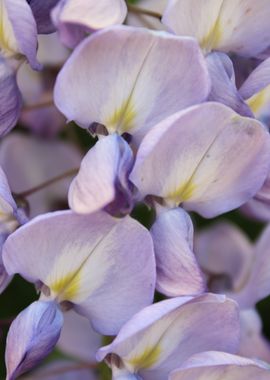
(41, 186)
(146, 12)
(36, 106)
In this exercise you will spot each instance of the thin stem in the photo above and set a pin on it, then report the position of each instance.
(146, 12)
(51, 181)
(36, 106)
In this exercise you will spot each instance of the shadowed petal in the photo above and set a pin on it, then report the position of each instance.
(178, 272)
(80, 16)
(103, 178)
(223, 88)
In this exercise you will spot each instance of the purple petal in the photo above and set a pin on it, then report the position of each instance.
(223, 88)
(89, 88)
(42, 13)
(220, 365)
(24, 29)
(110, 277)
(91, 191)
(177, 270)
(162, 336)
(32, 336)
(10, 98)
(73, 18)
(197, 172)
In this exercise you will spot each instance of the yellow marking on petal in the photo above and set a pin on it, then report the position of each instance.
(8, 43)
(211, 40)
(147, 359)
(257, 101)
(67, 287)
(182, 193)
(122, 119)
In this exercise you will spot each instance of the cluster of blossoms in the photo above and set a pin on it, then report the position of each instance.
(176, 94)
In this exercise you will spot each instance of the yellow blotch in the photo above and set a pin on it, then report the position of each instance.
(182, 193)
(147, 359)
(212, 39)
(257, 101)
(67, 287)
(122, 119)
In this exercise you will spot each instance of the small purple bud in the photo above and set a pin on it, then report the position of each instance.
(32, 336)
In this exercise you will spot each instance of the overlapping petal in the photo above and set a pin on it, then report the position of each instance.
(223, 88)
(178, 272)
(235, 26)
(104, 266)
(162, 336)
(74, 17)
(126, 88)
(10, 98)
(187, 159)
(19, 31)
(103, 178)
(220, 365)
(42, 13)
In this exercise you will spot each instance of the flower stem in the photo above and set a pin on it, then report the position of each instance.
(146, 12)
(36, 106)
(43, 185)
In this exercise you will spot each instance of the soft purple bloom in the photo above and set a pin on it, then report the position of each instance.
(102, 180)
(162, 336)
(197, 172)
(235, 26)
(74, 18)
(102, 266)
(31, 337)
(126, 89)
(178, 272)
(220, 365)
